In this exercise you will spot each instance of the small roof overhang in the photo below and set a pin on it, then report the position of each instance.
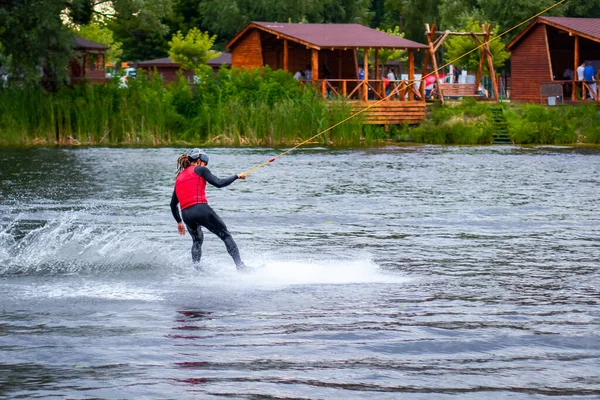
(588, 28)
(87, 45)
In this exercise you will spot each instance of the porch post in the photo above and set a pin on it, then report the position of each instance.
(411, 72)
(575, 65)
(285, 55)
(315, 65)
(377, 74)
(366, 81)
(83, 64)
(491, 63)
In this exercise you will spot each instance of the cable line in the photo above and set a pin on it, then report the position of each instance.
(393, 93)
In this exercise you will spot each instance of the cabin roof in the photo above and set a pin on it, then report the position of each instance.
(84, 44)
(224, 58)
(588, 28)
(331, 36)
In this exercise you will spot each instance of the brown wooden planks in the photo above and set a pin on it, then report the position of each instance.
(529, 66)
(391, 112)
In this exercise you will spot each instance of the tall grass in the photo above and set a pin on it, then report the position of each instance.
(240, 108)
(566, 124)
(471, 122)
(467, 122)
(257, 108)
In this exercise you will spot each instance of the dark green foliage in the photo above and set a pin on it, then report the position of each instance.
(34, 38)
(535, 124)
(468, 122)
(471, 122)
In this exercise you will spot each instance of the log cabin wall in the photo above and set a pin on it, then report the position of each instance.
(349, 67)
(298, 57)
(248, 52)
(530, 66)
(340, 63)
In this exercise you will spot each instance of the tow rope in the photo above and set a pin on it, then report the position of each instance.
(392, 93)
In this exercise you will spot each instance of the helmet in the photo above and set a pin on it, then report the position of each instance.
(195, 154)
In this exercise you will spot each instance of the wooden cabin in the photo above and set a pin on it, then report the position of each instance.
(89, 61)
(329, 53)
(545, 50)
(168, 69)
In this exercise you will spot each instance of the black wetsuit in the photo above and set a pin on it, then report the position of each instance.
(202, 215)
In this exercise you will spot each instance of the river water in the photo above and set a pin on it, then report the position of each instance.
(399, 272)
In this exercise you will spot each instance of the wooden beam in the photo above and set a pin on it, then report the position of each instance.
(575, 65)
(430, 36)
(355, 62)
(340, 55)
(365, 92)
(440, 40)
(411, 71)
(480, 69)
(314, 65)
(285, 55)
(457, 33)
(548, 52)
(377, 73)
(435, 67)
(490, 61)
(478, 43)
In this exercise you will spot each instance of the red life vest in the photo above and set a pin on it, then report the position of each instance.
(190, 188)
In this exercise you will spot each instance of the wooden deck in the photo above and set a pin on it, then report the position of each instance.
(390, 103)
(392, 112)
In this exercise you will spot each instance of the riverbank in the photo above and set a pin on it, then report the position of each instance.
(472, 122)
(247, 108)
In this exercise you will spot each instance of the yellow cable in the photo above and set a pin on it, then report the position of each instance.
(393, 92)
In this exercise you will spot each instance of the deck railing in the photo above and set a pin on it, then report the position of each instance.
(579, 90)
(372, 89)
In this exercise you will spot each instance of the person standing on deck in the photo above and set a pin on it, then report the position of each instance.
(580, 70)
(189, 193)
(392, 84)
(590, 77)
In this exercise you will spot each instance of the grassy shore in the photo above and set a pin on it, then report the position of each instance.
(239, 108)
(472, 122)
(258, 108)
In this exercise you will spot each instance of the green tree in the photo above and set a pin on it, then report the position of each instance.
(412, 16)
(37, 35)
(458, 46)
(191, 52)
(506, 17)
(386, 55)
(225, 18)
(453, 13)
(100, 33)
(140, 25)
(36, 41)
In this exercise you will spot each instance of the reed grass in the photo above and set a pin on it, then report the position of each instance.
(565, 124)
(241, 108)
(257, 108)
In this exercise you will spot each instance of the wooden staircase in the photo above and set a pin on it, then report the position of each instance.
(501, 134)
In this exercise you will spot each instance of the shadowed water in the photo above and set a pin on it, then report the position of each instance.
(402, 272)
